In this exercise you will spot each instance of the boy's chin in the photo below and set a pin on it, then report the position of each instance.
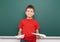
(29, 16)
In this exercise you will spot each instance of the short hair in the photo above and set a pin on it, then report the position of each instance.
(30, 6)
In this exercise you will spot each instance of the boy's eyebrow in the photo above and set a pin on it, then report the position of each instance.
(30, 8)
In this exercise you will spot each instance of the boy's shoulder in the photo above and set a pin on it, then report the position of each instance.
(24, 19)
(35, 20)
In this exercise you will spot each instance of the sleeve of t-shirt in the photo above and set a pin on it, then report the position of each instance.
(37, 26)
(20, 25)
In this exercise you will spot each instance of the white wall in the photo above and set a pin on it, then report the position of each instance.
(13, 39)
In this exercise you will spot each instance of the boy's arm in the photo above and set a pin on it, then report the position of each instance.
(20, 31)
(37, 31)
(37, 36)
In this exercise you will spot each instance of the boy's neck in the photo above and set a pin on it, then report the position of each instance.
(29, 18)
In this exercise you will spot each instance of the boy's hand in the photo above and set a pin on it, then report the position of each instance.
(38, 36)
(18, 38)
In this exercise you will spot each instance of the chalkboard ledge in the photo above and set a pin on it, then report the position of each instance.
(13, 37)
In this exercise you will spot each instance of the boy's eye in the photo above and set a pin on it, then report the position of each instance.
(31, 11)
(28, 11)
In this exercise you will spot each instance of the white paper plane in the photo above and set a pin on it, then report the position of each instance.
(42, 35)
(20, 36)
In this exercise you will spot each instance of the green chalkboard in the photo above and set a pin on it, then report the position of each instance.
(47, 14)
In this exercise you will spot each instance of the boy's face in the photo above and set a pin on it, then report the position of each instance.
(29, 12)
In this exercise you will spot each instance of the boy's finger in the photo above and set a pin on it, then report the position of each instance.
(38, 37)
(18, 38)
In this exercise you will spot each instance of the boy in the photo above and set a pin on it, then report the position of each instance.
(28, 26)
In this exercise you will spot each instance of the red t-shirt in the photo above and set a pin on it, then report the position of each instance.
(28, 27)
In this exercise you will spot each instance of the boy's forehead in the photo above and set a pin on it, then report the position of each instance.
(30, 9)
